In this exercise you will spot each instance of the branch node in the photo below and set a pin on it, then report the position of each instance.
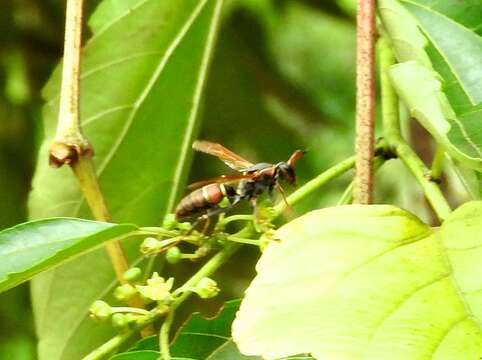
(62, 153)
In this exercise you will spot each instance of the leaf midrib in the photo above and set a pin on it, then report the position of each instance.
(151, 82)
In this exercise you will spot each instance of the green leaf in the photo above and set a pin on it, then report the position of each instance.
(137, 355)
(32, 247)
(443, 39)
(202, 338)
(143, 73)
(147, 343)
(368, 282)
(421, 90)
(458, 43)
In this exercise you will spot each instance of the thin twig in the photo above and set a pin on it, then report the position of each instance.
(114, 343)
(391, 128)
(83, 169)
(365, 102)
(70, 146)
(69, 143)
(437, 164)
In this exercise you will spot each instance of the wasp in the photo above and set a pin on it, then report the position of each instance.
(254, 180)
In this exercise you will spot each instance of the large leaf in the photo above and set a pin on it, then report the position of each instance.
(142, 78)
(444, 38)
(421, 90)
(368, 282)
(32, 247)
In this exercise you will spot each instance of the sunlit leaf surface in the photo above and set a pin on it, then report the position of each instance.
(367, 282)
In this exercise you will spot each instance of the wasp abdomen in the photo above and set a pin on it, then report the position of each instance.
(200, 199)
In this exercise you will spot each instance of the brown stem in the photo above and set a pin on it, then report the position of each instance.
(365, 102)
(71, 147)
(69, 143)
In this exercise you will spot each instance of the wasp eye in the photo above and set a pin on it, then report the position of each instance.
(288, 175)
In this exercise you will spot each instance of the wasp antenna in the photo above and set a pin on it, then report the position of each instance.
(295, 156)
(197, 144)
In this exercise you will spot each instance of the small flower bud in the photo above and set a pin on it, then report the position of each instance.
(133, 318)
(207, 288)
(100, 310)
(184, 226)
(173, 255)
(125, 292)
(120, 321)
(169, 222)
(150, 246)
(132, 274)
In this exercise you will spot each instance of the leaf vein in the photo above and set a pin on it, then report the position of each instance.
(195, 106)
(402, 301)
(160, 67)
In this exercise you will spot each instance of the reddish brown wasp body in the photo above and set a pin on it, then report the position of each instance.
(254, 180)
(202, 199)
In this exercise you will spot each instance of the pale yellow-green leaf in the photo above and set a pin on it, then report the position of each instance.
(367, 283)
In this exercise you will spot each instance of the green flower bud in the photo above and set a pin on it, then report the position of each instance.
(150, 246)
(133, 318)
(120, 321)
(132, 274)
(169, 222)
(173, 255)
(207, 288)
(125, 292)
(184, 226)
(100, 310)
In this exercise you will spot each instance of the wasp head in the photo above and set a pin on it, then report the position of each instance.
(286, 170)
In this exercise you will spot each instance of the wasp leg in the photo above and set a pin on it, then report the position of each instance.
(199, 220)
(207, 222)
(220, 210)
(257, 220)
(212, 213)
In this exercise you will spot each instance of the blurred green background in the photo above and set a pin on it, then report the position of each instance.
(282, 78)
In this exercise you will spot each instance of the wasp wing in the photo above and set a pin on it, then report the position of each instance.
(230, 158)
(220, 180)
